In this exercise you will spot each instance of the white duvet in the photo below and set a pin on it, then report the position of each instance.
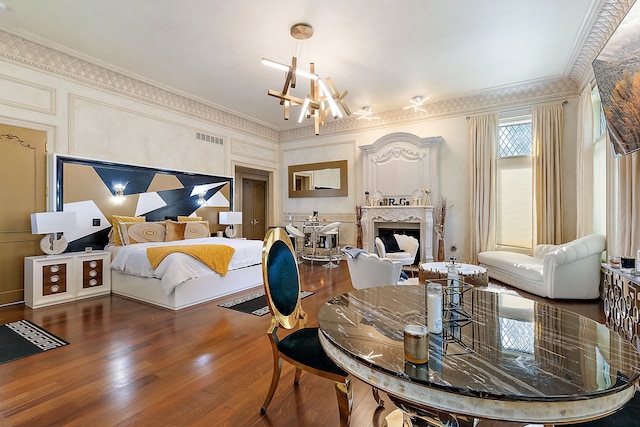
(177, 268)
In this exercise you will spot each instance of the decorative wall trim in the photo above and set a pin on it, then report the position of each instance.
(38, 56)
(46, 95)
(46, 59)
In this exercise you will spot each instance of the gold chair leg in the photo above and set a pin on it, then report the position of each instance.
(277, 368)
(376, 397)
(296, 379)
(345, 401)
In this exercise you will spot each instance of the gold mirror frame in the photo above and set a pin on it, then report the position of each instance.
(331, 192)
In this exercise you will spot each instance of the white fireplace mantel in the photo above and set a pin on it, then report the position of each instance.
(417, 217)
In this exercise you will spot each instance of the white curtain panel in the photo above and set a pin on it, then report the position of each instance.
(628, 204)
(584, 165)
(546, 123)
(483, 141)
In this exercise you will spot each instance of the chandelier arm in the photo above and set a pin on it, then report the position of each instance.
(292, 71)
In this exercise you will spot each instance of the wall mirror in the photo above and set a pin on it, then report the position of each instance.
(326, 179)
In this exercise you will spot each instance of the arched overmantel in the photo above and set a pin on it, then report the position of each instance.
(399, 164)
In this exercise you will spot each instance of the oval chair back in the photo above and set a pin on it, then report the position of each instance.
(281, 278)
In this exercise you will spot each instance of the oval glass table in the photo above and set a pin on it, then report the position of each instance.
(500, 357)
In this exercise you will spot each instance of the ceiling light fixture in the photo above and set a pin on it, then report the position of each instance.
(324, 99)
(365, 113)
(416, 104)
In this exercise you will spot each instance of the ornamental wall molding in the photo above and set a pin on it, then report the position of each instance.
(36, 55)
(398, 152)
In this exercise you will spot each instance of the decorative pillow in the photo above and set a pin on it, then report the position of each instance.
(115, 232)
(390, 243)
(141, 232)
(189, 218)
(175, 230)
(196, 229)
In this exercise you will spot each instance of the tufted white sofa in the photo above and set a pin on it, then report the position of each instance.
(568, 271)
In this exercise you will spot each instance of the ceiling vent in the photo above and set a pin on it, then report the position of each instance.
(209, 138)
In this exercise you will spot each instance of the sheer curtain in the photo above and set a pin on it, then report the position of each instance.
(628, 204)
(483, 140)
(584, 165)
(546, 123)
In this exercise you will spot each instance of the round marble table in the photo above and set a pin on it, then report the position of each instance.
(505, 358)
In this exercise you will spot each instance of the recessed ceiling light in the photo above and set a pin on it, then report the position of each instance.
(3, 6)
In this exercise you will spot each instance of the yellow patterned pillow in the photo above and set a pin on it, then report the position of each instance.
(142, 232)
(196, 229)
(175, 230)
(117, 219)
(189, 218)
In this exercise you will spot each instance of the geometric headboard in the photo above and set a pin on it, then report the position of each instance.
(88, 187)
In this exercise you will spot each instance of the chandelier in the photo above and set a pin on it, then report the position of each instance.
(323, 101)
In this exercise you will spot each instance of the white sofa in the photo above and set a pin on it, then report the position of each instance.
(568, 271)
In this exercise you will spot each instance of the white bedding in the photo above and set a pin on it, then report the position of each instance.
(177, 268)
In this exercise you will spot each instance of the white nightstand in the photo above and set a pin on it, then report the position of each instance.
(66, 277)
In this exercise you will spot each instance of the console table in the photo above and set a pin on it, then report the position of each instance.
(621, 302)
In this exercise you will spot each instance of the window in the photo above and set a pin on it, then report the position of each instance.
(514, 227)
(599, 165)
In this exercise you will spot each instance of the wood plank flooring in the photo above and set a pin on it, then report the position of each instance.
(134, 364)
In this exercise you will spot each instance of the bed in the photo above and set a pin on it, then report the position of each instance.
(181, 280)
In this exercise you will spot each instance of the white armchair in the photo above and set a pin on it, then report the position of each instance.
(408, 245)
(369, 270)
(568, 271)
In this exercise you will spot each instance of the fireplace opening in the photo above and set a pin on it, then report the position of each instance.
(413, 232)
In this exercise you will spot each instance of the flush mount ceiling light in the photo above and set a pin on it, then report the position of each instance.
(416, 104)
(324, 99)
(366, 113)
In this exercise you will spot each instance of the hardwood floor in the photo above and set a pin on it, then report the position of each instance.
(133, 364)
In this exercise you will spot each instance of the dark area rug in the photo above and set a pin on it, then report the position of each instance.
(23, 338)
(254, 304)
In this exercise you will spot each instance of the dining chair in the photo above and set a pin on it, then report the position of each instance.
(301, 347)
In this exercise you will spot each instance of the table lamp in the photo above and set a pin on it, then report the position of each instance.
(52, 224)
(230, 218)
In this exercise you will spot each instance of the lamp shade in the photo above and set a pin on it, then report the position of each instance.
(52, 222)
(230, 217)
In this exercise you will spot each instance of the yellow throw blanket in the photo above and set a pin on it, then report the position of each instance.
(216, 257)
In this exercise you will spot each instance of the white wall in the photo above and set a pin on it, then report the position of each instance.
(454, 168)
(88, 122)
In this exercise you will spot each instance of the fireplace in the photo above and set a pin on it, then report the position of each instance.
(412, 220)
(401, 229)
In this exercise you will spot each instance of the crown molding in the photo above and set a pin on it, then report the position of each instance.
(35, 54)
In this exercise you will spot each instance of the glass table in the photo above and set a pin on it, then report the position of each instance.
(507, 358)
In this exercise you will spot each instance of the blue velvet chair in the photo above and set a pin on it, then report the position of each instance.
(301, 348)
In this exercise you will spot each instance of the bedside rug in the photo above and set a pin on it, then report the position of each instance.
(255, 303)
(23, 338)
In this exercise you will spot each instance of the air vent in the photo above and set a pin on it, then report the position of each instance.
(209, 138)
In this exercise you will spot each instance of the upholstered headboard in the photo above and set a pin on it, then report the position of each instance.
(90, 188)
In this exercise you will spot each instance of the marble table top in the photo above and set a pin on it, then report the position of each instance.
(441, 267)
(500, 356)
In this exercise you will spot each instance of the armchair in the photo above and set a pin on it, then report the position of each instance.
(408, 246)
(369, 270)
(568, 271)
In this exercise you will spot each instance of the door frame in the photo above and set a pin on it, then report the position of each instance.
(242, 171)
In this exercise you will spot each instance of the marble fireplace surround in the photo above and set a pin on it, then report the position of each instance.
(398, 166)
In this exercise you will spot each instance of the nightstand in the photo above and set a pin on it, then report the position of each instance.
(66, 277)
